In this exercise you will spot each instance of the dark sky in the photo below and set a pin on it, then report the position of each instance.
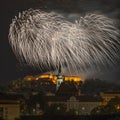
(10, 67)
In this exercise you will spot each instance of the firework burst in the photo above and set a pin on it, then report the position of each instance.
(47, 39)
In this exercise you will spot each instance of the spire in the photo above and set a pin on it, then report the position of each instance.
(59, 70)
(59, 78)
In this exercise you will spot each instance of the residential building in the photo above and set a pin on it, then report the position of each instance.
(9, 106)
(82, 105)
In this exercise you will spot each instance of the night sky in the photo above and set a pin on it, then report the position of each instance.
(11, 68)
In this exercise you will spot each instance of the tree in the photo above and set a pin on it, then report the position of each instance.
(112, 107)
(95, 86)
(67, 88)
(35, 100)
(56, 109)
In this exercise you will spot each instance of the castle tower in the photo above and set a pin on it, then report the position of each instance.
(59, 78)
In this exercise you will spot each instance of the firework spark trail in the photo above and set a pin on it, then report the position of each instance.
(47, 39)
(31, 33)
(93, 38)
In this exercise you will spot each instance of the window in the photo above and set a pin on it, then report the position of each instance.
(1, 112)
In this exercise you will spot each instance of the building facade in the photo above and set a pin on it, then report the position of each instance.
(9, 106)
(9, 111)
(82, 105)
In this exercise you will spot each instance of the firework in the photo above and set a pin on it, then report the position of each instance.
(47, 39)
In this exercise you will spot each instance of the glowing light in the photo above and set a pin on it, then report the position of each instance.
(29, 78)
(37, 78)
(117, 107)
(47, 39)
(72, 78)
(53, 78)
(46, 76)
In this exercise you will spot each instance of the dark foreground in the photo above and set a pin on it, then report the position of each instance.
(57, 117)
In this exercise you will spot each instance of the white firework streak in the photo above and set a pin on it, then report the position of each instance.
(47, 39)
(30, 36)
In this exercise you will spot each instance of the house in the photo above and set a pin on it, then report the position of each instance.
(82, 105)
(9, 106)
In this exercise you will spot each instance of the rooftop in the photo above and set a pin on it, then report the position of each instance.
(82, 98)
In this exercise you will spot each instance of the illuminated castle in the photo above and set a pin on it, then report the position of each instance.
(53, 78)
(56, 79)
